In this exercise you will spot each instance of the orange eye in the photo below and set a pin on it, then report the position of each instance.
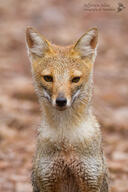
(48, 78)
(75, 79)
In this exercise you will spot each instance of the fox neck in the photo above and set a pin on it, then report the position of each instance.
(72, 116)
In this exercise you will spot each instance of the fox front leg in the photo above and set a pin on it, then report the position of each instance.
(105, 184)
(89, 174)
(97, 183)
(34, 182)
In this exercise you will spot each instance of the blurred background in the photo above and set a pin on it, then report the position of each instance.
(62, 22)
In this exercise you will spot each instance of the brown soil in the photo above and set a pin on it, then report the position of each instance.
(61, 22)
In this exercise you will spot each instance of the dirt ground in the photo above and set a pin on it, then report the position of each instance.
(62, 22)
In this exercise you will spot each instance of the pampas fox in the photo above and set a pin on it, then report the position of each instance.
(69, 156)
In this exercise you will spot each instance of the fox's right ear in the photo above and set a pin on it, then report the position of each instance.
(36, 44)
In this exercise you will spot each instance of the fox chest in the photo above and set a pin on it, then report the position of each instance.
(65, 173)
(67, 168)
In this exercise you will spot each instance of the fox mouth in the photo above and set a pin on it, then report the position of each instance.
(61, 108)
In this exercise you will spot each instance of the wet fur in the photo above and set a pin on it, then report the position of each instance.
(69, 156)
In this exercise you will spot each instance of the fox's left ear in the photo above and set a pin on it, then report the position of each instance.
(87, 44)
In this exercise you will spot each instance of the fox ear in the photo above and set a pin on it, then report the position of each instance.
(87, 44)
(37, 45)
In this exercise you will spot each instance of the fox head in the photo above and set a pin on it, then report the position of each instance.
(62, 75)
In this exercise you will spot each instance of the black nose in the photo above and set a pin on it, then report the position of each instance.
(61, 101)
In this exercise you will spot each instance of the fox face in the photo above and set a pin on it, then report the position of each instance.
(62, 75)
